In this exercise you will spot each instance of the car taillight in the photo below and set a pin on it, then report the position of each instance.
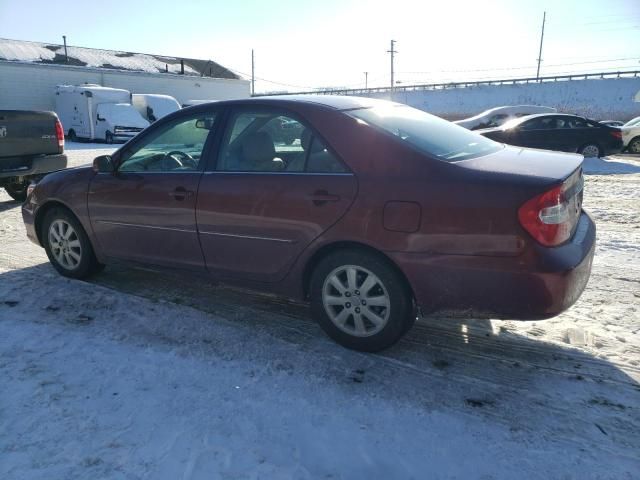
(551, 216)
(60, 135)
(617, 134)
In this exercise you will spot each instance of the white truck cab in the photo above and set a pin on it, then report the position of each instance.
(93, 112)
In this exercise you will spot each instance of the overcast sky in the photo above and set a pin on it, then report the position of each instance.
(301, 45)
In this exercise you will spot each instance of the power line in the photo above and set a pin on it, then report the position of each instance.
(524, 67)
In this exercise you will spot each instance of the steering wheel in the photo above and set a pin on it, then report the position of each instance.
(179, 158)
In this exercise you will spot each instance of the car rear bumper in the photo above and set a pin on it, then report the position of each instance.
(539, 285)
(22, 167)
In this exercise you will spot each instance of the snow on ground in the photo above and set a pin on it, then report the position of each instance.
(140, 375)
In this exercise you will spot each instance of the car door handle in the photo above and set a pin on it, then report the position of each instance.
(322, 196)
(180, 193)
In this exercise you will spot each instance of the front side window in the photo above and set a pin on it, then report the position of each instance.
(427, 133)
(268, 141)
(176, 147)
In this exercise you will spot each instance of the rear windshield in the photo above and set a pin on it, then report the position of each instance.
(428, 133)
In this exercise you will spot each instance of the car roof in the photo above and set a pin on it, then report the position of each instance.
(337, 102)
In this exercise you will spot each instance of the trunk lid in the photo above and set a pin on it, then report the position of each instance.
(26, 133)
(547, 166)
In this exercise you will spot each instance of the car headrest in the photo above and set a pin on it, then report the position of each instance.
(258, 147)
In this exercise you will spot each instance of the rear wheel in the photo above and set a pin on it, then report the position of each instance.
(361, 301)
(634, 145)
(17, 190)
(590, 150)
(108, 137)
(72, 136)
(67, 245)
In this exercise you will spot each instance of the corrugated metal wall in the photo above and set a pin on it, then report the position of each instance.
(31, 87)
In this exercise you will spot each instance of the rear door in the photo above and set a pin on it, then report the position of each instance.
(539, 132)
(276, 186)
(146, 211)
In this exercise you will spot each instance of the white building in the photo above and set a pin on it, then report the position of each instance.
(30, 71)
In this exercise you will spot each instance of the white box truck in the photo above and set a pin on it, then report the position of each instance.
(153, 106)
(92, 112)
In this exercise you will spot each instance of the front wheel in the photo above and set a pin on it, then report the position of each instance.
(17, 190)
(108, 138)
(67, 245)
(360, 300)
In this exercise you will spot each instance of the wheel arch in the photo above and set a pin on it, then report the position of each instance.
(42, 213)
(333, 247)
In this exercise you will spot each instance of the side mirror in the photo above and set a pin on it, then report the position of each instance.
(99, 118)
(103, 164)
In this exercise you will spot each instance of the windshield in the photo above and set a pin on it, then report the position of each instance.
(633, 122)
(122, 114)
(428, 133)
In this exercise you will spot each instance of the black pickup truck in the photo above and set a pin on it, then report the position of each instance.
(31, 145)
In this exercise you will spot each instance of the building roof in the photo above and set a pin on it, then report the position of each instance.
(47, 53)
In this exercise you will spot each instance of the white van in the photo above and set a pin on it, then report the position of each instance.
(153, 107)
(92, 112)
(494, 117)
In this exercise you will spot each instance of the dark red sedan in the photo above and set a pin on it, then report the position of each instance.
(373, 210)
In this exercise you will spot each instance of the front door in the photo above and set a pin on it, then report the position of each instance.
(145, 211)
(276, 187)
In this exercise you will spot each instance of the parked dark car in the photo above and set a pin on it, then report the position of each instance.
(31, 144)
(564, 133)
(375, 210)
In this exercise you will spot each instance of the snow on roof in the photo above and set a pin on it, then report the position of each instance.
(36, 52)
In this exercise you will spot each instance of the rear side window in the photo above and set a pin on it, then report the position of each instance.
(432, 135)
(268, 141)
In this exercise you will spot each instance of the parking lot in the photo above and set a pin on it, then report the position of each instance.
(136, 374)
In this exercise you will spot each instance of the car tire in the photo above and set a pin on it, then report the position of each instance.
(108, 138)
(590, 150)
(367, 321)
(70, 252)
(634, 145)
(17, 191)
(72, 136)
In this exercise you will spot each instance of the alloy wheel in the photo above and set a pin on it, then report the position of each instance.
(356, 301)
(65, 244)
(591, 151)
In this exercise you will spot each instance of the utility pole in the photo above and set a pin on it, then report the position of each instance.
(392, 52)
(253, 75)
(544, 18)
(66, 57)
(366, 80)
